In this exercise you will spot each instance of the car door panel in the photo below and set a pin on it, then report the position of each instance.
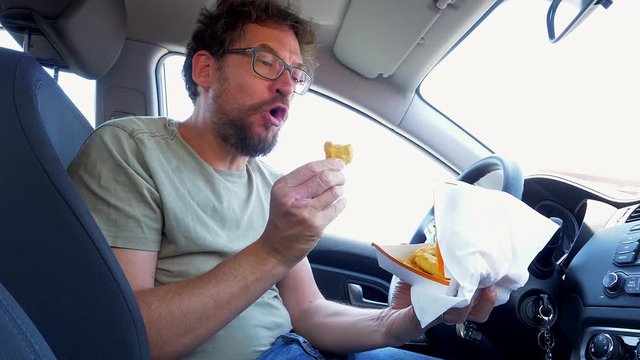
(347, 271)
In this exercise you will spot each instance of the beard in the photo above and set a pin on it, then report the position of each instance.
(235, 132)
(233, 124)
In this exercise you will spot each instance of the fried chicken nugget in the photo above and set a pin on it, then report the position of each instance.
(426, 259)
(342, 152)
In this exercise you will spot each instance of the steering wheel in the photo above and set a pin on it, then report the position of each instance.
(512, 183)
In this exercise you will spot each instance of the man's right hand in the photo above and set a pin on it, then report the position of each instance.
(303, 203)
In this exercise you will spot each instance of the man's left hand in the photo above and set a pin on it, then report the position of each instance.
(478, 310)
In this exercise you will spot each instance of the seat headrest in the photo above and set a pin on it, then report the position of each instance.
(83, 36)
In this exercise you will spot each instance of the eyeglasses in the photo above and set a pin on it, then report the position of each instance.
(270, 66)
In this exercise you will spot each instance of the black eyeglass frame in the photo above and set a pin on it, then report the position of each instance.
(255, 50)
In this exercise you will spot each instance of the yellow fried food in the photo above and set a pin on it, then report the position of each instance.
(342, 152)
(426, 259)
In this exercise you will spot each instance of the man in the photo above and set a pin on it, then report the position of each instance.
(212, 241)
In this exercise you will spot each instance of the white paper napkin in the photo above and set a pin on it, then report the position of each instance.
(486, 237)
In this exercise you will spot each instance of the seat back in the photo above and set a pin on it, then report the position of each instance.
(19, 338)
(54, 260)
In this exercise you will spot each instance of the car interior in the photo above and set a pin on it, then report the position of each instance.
(62, 292)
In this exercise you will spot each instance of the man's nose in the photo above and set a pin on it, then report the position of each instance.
(284, 84)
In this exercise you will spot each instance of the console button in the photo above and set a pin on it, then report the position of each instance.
(628, 246)
(611, 282)
(607, 347)
(600, 346)
(632, 285)
(624, 258)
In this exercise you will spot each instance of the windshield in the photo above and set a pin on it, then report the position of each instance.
(567, 109)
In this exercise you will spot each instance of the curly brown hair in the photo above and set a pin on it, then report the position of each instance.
(217, 28)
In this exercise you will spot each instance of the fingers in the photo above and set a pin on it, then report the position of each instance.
(329, 196)
(401, 295)
(485, 302)
(323, 184)
(456, 315)
(478, 310)
(329, 213)
(403, 286)
(306, 172)
(302, 205)
(317, 184)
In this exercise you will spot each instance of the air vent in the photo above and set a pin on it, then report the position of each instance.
(634, 216)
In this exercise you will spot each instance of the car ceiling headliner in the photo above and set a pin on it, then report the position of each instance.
(170, 23)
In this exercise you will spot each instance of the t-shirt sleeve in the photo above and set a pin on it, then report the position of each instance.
(111, 174)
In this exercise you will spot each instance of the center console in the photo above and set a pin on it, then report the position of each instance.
(605, 277)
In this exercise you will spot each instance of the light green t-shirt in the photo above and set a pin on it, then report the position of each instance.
(148, 190)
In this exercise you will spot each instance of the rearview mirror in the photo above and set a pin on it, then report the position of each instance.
(565, 15)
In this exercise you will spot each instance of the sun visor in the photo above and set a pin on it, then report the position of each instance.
(85, 36)
(377, 35)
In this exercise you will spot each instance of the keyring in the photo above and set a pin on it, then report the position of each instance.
(552, 340)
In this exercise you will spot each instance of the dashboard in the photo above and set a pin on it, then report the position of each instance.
(602, 294)
(592, 293)
(598, 305)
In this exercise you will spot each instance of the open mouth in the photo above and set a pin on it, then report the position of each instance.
(278, 115)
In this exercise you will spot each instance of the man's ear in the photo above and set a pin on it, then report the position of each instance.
(204, 69)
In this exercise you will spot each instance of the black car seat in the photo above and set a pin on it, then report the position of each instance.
(19, 338)
(54, 261)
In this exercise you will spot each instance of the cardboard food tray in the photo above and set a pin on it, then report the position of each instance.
(390, 258)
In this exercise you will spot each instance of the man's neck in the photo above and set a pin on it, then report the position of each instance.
(202, 139)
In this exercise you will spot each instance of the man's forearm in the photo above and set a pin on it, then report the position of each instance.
(340, 328)
(179, 317)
